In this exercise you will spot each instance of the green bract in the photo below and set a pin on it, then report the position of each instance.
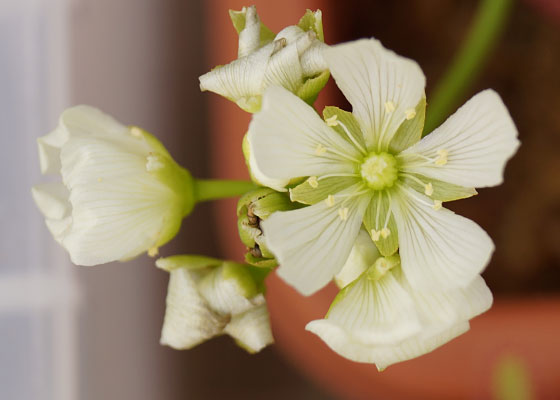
(291, 59)
(209, 297)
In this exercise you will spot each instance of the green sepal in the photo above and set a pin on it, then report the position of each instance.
(259, 274)
(410, 131)
(380, 205)
(187, 261)
(238, 18)
(349, 121)
(310, 89)
(312, 21)
(442, 191)
(264, 263)
(306, 194)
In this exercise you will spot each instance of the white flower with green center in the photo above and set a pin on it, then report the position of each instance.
(379, 318)
(208, 297)
(371, 168)
(291, 59)
(121, 192)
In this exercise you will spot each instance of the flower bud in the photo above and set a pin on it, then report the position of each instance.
(207, 297)
(253, 208)
(121, 192)
(292, 59)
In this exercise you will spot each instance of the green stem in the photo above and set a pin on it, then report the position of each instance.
(212, 189)
(489, 21)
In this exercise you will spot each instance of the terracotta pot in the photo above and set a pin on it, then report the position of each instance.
(463, 369)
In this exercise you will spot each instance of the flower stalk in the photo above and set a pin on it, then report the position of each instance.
(214, 189)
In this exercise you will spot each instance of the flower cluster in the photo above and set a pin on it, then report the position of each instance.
(355, 197)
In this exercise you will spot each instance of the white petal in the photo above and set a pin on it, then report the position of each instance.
(312, 61)
(52, 200)
(241, 80)
(59, 228)
(49, 150)
(188, 319)
(284, 68)
(118, 208)
(90, 121)
(479, 139)
(363, 255)
(438, 249)
(311, 244)
(285, 135)
(224, 293)
(375, 312)
(380, 85)
(419, 345)
(250, 36)
(251, 329)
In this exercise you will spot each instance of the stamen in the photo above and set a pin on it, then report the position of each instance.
(385, 232)
(350, 136)
(320, 150)
(375, 235)
(332, 121)
(153, 251)
(389, 107)
(343, 213)
(442, 157)
(330, 200)
(313, 182)
(336, 175)
(437, 204)
(428, 189)
(410, 113)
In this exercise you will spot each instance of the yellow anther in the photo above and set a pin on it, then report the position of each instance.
(332, 121)
(330, 200)
(135, 131)
(437, 204)
(343, 213)
(320, 149)
(410, 113)
(442, 157)
(428, 189)
(389, 106)
(153, 251)
(375, 235)
(313, 182)
(385, 232)
(99, 179)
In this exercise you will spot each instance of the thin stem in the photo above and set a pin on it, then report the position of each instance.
(483, 34)
(212, 189)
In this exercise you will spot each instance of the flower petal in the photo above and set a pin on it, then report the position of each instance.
(363, 255)
(387, 241)
(52, 200)
(49, 150)
(380, 85)
(288, 139)
(478, 140)
(438, 249)
(85, 120)
(188, 318)
(311, 244)
(375, 312)
(118, 208)
(251, 329)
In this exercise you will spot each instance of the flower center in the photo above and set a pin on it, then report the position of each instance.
(379, 170)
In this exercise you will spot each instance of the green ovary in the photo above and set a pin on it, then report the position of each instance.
(379, 170)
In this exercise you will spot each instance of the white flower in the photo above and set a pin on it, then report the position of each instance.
(121, 192)
(291, 59)
(207, 297)
(379, 318)
(371, 167)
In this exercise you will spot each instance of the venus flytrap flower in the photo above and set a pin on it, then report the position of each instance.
(371, 168)
(121, 192)
(379, 318)
(291, 59)
(207, 297)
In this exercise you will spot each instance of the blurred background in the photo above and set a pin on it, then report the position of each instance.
(92, 333)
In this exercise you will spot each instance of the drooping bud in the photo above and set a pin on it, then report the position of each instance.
(207, 297)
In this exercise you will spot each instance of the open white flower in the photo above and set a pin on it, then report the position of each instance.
(379, 318)
(371, 167)
(121, 192)
(208, 297)
(291, 59)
